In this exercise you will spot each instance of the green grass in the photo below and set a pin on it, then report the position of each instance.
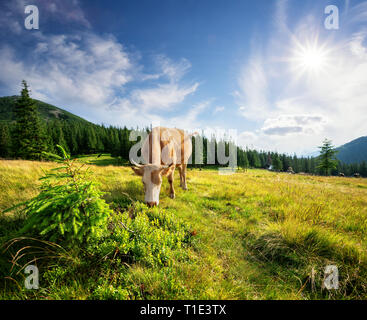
(101, 160)
(253, 235)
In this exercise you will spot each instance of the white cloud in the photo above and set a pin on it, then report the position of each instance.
(248, 139)
(356, 45)
(72, 70)
(295, 111)
(62, 11)
(189, 120)
(358, 13)
(90, 71)
(218, 109)
(290, 124)
(9, 20)
(253, 84)
(174, 71)
(163, 96)
(91, 75)
(280, 16)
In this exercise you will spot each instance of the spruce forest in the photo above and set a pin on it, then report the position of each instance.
(29, 134)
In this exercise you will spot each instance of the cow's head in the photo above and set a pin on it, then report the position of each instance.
(152, 180)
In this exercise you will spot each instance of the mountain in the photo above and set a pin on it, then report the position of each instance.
(46, 111)
(354, 151)
(313, 154)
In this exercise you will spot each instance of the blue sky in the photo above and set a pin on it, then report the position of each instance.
(268, 69)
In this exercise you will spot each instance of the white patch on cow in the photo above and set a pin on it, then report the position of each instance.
(152, 190)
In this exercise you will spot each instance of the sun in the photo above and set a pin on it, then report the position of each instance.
(312, 59)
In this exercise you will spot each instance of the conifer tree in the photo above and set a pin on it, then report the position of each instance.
(29, 138)
(326, 158)
(5, 141)
(256, 162)
(277, 163)
(363, 169)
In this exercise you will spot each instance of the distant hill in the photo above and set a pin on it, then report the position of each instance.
(349, 153)
(46, 111)
(354, 151)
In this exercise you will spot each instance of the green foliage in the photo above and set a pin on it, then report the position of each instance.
(305, 253)
(326, 158)
(277, 163)
(151, 236)
(5, 141)
(69, 207)
(80, 137)
(29, 134)
(258, 235)
(47, 111)
(354, 151)
(109, 292)
(138, 237)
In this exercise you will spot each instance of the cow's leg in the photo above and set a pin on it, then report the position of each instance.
(181, 176)
(184, 185)
(170, 180)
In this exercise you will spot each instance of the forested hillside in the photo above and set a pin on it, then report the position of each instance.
(354, 151)
(75, 134)
(46, 111)
(80, 137)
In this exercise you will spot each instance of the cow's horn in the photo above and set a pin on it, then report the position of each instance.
(135, 164)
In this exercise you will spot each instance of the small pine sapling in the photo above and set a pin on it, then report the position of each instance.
(69, 208)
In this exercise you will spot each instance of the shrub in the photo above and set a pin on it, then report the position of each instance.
(104, 292)
(152, 236)
(69, 207)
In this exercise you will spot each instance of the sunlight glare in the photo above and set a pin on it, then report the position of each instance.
(312, 59)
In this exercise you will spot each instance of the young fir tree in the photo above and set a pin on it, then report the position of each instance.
(29, 138)
(327, 160)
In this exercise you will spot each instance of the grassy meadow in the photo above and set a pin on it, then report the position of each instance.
(251, 235)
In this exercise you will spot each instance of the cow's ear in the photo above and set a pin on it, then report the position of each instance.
(138, 171)
(165, 170)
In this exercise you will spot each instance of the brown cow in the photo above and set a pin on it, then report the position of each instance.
(163, 150)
